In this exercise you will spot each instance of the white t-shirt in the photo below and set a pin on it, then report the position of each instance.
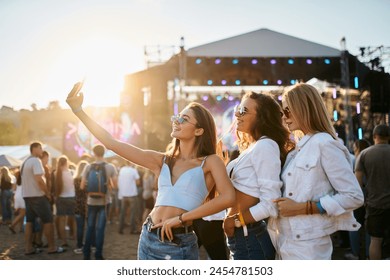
(31, 167)
(127, 185)
(68, 189)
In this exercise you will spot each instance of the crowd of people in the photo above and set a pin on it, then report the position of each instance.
(291, 187)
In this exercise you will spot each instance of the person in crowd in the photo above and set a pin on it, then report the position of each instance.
(373, 164)
(263, 142)
(81, 206)
(211, 236)
(149, 185)
(7, 185)
(97, 207)
(37, 198)
(359, 213)
(65, 198)
(186, 174)
(19, 206)
(320, 190)
(128, 179)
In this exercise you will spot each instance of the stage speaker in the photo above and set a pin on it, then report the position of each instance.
(379, 86)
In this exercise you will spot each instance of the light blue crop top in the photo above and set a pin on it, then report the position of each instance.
(188, 192)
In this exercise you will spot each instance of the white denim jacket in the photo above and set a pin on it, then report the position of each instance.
(320, 170)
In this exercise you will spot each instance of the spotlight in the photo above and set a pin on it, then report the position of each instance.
(231, 98)
(279, 82)
(272, 61)
(360, 133)
(198, 61)
(205, 97)
(254, 61)
(327, 61)
(309, 61)
(210, 82)
(356, 82)
(219, 97)
(218, 61)
(358, 108)
(290, 61)
(335, 115)
(292, 82)
(265, 82)
(223, 82)
(237, 82)
(235, 61)
(280, 98)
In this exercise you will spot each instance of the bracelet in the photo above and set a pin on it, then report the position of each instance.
(307, 207)
(311, 207)
(320, 208)
(78, 109)
(181, 219)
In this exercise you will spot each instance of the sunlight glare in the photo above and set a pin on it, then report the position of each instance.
(103, 63)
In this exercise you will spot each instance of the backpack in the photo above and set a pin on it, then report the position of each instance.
(97, 180)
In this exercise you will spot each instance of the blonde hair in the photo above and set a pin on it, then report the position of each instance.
(80, 168)
(6, 174)
(308, 109)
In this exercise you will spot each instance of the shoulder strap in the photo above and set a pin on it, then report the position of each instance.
(21, 169)
(203, 161)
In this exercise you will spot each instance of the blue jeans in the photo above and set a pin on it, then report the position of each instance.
(128, 202)
(151, 248)
(6, 210)
(256, 246)
(96, 225)
(80, 221)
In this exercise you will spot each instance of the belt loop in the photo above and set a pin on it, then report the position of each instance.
(149, 224)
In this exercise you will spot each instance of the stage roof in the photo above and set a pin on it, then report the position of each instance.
(263, 43)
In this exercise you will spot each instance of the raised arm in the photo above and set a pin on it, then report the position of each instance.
(146, 158)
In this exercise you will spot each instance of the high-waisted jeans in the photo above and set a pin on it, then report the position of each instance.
(150, 247)
(256, 246)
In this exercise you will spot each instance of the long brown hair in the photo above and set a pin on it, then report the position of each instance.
(205, 144)
(62, 161)
(268, 123)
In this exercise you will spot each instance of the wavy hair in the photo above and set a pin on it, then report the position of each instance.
(308, 109)
(268, 123)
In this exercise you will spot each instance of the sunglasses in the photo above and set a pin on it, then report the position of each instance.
(180, 120)
(241, 111)
(286, 112)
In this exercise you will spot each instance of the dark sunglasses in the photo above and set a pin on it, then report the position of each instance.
(286, 112)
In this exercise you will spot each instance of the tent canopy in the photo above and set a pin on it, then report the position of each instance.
(21, 152)
(9, 161)
(263, 43)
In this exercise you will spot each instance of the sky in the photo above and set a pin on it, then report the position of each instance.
(48, 45)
